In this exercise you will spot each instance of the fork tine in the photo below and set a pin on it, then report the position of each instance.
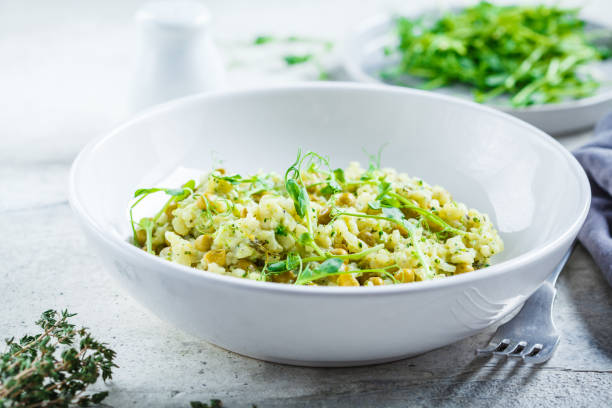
(543, 355)
(531, 351)
(507, 350)
(518, 350)
(494, 344)
(533, 324)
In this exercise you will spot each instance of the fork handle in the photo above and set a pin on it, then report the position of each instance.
(552, 278)
(541, 300)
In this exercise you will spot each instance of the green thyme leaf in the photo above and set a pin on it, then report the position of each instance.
(54, 367)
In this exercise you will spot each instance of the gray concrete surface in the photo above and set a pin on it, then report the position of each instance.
(64, 77)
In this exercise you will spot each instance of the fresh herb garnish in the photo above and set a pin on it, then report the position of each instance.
(294, 184)
(297, 59)
(329, 267)
(317, 47)
(395, 216)
(262, 39)
(147, 224)
(54, 367)
(299, 195)
(535, 54)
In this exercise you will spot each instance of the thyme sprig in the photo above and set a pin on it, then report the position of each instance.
(54, 368)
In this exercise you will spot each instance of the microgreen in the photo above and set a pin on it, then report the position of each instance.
(317, 49)
(327, 268)
(176, 195)
(258, 183)
(297, 191)
(373, 164)
(262, 39)
(306, 239)
(147, 224)
(433, 218)
(299, 196)
(268, 39)
(175, 192)
(383, 188)
(351, 257)
(533, 53)
(339, 176)
(395, 216)
(297, 59)
(332, 187)
(294, 260)
(235, 179)
(374, 205)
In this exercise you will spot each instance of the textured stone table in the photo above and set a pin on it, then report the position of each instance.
(64, 78)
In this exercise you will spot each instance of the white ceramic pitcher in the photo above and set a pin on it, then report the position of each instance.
(177, 56)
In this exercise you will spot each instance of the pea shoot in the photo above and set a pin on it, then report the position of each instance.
(318, 49)
(535, 54)
(294, 184)
(148, 224)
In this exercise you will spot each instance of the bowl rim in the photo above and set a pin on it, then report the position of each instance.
(178, 271)
(355, 71)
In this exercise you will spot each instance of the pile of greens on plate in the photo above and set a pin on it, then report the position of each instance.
(533, 54)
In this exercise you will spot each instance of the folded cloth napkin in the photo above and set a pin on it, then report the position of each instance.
(596, 158)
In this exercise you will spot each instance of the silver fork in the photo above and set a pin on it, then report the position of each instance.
(531, 334)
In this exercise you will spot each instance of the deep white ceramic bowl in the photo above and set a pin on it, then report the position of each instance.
(534, 190)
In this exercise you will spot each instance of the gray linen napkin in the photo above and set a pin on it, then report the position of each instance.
(596, 158)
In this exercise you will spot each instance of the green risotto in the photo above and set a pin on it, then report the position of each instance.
(317, 225)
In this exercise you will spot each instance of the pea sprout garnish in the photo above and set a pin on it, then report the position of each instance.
(534, 54)
(148, 224)
(312, 226)
(296, 189)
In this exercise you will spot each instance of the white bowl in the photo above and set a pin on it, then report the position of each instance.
(364, 59)
(534, 190)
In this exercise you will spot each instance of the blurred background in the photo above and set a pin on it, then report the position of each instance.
(68, 66)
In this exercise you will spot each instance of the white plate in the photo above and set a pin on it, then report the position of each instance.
(535, 191)
(364, 59)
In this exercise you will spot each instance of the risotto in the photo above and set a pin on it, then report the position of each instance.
(318, 226)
